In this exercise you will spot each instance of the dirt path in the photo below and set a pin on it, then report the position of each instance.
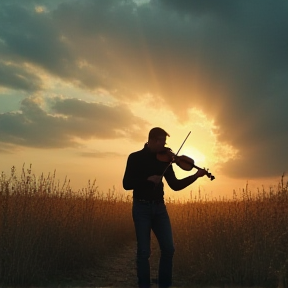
(119, 270)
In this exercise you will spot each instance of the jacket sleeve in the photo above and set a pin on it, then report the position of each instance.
(133, 178)
(178, 184)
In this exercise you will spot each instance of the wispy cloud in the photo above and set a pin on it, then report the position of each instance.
(34, 127)
(18, 78)
(99, 154)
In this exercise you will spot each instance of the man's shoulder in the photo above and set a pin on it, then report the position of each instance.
(136, 154)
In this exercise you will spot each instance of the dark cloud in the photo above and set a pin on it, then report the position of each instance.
(34, 127)
(18, 78)
(30, 37)
(227, 58)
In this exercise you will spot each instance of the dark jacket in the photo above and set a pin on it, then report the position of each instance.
(141, 165)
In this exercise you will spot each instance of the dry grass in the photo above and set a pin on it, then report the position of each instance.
(47, 231)
(235, 242)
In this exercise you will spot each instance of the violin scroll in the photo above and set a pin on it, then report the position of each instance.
(208, 174)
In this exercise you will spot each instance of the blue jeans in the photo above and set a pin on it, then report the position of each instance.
(147, 217)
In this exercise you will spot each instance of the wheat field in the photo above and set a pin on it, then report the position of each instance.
(49, 232)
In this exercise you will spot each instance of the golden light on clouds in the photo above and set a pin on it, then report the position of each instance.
(139, 64)
(198, 156)
(202, 145)
(40, 9)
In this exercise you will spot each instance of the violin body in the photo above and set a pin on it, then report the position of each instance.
(184, 162)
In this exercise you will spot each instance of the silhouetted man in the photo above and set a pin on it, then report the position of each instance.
(143, 174)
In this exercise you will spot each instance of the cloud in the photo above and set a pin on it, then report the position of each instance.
(73, 119)
(247, 73)
(18, 78)
(6, 148)
(228, 59)
(98, 154)
(30, 37)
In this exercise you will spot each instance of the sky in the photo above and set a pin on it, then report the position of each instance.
(83, 82)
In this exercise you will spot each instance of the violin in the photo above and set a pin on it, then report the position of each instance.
(184, 162)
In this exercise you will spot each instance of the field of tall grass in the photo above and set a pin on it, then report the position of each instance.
(243, 241)
(48, 232)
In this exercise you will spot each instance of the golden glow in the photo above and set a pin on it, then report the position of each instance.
(87, 161)
(40, 9)
(198, 157)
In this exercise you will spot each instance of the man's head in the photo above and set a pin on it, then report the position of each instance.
(157, 139)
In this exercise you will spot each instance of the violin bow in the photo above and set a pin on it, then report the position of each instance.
(183, 143)
(208, 174)
(176, 154)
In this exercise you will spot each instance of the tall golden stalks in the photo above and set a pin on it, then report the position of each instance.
(241, 241)
(47, 231)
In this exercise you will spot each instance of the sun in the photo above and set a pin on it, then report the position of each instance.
(190, 151)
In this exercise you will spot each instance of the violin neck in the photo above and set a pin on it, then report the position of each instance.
(208, 174)
(196, 167)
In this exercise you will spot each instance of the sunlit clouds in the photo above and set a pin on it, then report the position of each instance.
(72, 118)
(94, 76)
(40, 9)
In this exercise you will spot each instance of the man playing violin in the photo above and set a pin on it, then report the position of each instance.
(143, 175)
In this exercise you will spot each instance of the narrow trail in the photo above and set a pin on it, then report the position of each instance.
(120, 270)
